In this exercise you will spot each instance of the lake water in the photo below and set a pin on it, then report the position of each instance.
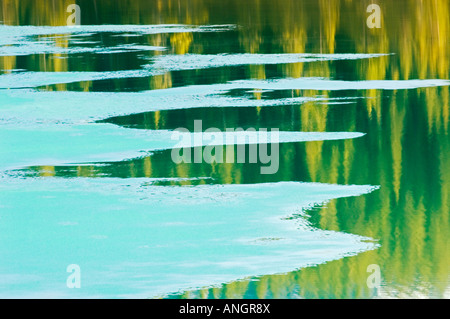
(361, 180)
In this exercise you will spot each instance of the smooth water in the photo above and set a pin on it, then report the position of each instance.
(86, 171)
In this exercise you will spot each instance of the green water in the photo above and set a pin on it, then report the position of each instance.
(87, 175)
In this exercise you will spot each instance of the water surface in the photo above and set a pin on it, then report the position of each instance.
(86, 176)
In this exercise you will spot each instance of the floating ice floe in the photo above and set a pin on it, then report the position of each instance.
(161, 65)
(131, 239)
(69, 144)
(48, 106)
(28, 107)
(26, 40)
(170, 62)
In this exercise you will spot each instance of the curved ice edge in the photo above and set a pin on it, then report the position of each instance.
(9, 32)
(156, 230)
(81, 106)
(170, 62)
(58, 145)
(15, 39)
(27, 107)
(180, 291)
(325, 84)
(36, 79)
(39, 48)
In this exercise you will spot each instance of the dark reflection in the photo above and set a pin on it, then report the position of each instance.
(220, 118)
(405, 150)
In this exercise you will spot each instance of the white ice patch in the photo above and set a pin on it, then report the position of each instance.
(166, 63)
(68, 144)
(31, 108)
(25, 40)
(134, 240)
(35, 79)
